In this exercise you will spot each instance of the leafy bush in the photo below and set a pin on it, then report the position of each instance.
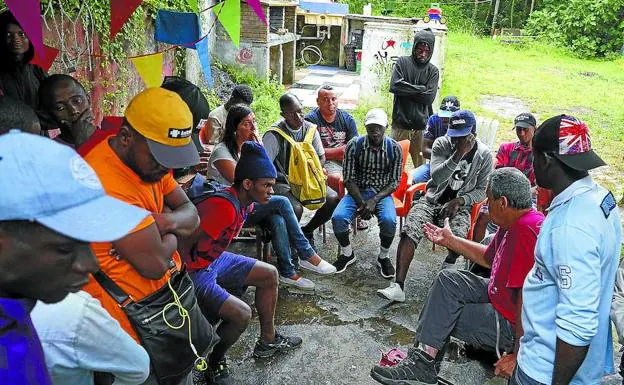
(266, 94)
(589, 28)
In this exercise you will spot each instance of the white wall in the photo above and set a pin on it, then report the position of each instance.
(378, 54)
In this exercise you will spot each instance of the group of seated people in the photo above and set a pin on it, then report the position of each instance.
(87, 205)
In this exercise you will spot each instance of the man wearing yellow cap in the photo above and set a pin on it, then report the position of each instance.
(134, 167)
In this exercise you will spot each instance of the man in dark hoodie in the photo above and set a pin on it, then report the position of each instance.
(18, 78)
(414, 84)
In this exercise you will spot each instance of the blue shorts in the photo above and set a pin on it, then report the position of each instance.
(224, 277)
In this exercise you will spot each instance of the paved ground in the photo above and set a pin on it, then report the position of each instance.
(346, 84)
(345, 325)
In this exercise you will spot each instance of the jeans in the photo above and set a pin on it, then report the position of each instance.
(518, 377)
(421, 174)
(285, 229)
(385, 212)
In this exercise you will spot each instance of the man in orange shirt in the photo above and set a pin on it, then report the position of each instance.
(134, 167)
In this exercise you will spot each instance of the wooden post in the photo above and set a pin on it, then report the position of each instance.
(496, 6)
(513, 4)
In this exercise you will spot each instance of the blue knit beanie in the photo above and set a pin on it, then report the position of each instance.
(254, 163)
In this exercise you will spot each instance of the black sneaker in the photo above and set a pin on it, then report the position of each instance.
(343, 261)
(310, 238)
(385, 267)
(416, 369)
(221, 373)
(281, 344)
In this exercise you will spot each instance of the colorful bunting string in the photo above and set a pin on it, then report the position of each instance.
(228, 13)
(120, 12)
(26, 12)
(149, 68)
(204, 59)
(257, 7)
(178, 28)
(45, 61)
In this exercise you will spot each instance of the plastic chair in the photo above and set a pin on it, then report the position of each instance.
(486, 131)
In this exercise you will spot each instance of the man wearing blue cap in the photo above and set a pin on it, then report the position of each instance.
(460, 167)
(437, 124)
(221, 277)
(52, 205)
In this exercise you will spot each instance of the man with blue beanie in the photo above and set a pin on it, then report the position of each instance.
(221, 277)
(460, 167)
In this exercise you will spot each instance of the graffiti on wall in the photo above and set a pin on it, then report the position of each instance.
(244, 56)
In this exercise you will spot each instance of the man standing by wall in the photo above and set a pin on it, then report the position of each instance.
(414, 84)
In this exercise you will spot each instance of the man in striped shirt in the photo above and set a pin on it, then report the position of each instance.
(372, 171)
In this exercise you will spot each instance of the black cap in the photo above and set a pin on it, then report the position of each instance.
(449, 105)
(567, 139)
(525, 120)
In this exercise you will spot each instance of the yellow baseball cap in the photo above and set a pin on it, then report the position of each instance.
(165, 120)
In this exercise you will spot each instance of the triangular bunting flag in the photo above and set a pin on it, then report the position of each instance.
(120, 11)
(26, 13)
(204, 59)
(150, 68)
(179, 28)
(228, 13)
(194, 5)
(45, 62)
(257, 7)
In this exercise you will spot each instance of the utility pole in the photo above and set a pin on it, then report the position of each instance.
(496, 6)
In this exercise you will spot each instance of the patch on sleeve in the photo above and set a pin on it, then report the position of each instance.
(608, 204)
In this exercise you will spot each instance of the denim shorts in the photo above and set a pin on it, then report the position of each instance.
(224, 277)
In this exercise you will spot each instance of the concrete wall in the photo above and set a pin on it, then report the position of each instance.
(260, 49)
(383, 43)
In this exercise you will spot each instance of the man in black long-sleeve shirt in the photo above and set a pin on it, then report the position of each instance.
(414, 84)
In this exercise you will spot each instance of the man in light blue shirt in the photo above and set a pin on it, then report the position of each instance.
(567, 295)
(79, 338)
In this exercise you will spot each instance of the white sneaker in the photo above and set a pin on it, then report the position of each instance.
(392, 292)
(301, 283)
(323, 267)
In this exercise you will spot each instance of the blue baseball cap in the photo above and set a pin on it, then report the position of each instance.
(49, 183)
(462, 123)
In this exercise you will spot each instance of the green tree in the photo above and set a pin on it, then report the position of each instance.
(589, 28)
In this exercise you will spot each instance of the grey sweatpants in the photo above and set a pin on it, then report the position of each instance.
(458, 305)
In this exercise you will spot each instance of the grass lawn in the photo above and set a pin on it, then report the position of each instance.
(549, 81)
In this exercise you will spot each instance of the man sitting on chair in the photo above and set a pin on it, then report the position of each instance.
(371, 174)
(483, 312)
(460, 166)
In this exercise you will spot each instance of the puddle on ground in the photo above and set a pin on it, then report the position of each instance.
(507, 107)
(296, 309)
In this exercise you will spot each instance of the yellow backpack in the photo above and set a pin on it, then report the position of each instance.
(305, 173)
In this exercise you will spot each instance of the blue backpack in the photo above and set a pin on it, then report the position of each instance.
(203, 188)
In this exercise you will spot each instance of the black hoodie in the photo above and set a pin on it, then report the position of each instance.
(414, 86)
(21, 79)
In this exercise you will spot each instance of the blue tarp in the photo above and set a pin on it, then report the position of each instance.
(328, 8)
